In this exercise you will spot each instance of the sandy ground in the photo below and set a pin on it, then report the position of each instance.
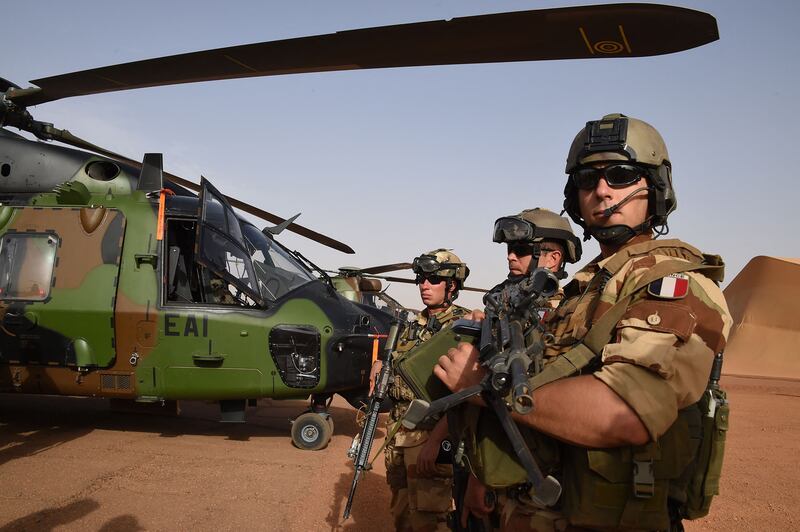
(72, 464)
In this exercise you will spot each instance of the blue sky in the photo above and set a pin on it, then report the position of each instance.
(400, 161)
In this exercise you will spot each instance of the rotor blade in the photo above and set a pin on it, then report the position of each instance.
(387, 268)
(412, 281)
(613, 30)
(268, 216)
(68, 138)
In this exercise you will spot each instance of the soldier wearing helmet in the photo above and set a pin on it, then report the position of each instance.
(641, 326)
(537, 238)
(421, 486)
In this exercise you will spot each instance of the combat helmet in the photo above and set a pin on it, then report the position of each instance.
(616, 137)
(535, 226)
(443, 263)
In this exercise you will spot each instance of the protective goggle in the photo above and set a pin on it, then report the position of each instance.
(617, 175)
(513, 228)
(428, 264)
(431, 278)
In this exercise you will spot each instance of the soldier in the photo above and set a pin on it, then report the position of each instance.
(421, 487)
(641, 324)
(537, 235)
(535, 238)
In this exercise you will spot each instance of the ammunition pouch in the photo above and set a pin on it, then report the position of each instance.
(632, 487)
(703, 481)
(489, 452)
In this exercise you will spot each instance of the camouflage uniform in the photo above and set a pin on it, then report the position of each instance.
(418, 503)
(658, 362)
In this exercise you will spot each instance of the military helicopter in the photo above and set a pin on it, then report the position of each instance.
(363, 285)
(120, 280)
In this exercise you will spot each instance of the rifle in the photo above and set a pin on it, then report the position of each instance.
(510, 315)
(362, 443)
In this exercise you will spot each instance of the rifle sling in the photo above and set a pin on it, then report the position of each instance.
(386, 440)
(590, 348)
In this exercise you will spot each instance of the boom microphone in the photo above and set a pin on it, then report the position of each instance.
(614, 208)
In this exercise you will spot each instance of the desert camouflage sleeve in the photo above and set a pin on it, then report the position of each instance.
(664, 349)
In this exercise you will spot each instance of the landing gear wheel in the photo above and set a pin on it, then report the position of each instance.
(311, 432)
(329, 419)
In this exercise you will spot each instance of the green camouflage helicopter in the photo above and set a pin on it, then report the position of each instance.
(120, 280)
(363, 285)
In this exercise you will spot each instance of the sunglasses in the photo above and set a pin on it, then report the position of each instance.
(617, 175)
(432, 279)
(523, 249)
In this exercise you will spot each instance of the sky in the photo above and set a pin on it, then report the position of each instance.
(397, 162)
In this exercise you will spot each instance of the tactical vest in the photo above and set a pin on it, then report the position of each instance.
(626, 487)
(644, 487)
(418, 332)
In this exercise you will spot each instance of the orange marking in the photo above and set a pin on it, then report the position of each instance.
(161, 207)
(160, 226)
(376, 338)
(375, 343)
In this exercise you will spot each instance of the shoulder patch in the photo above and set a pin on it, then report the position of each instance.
(674, 286)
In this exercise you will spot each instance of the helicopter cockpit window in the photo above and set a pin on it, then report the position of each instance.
(224, 219)
(222, 250)
(277, 272)
(27, 261)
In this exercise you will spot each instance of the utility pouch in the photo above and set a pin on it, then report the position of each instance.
(704, 481)
(416, 366)
(491, 456)
(628, 488)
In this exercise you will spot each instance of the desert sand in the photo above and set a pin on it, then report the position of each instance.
(74, 464)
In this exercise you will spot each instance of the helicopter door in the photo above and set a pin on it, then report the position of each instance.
(221, 248)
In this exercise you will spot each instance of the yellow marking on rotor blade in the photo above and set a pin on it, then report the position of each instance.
(243, 65)
(625, 39)
(586, 40)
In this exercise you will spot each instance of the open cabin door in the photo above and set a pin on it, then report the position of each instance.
(221, 248)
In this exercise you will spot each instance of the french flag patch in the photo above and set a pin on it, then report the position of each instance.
(674, 286)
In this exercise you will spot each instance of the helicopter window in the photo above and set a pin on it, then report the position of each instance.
(27, 261)
(5, 170)
(223, 219)
(277, 272)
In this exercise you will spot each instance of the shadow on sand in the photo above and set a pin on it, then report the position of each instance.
(30, 424)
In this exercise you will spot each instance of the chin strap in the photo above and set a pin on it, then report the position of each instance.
(448, 294)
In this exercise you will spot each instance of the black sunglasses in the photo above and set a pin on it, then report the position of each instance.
(432, 279)
(617, 175)
(523, 249)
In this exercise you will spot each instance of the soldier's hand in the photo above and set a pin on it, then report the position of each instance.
(460, 367)
(475, 315)
(426, 461)
(475, 501)
(373, 374)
